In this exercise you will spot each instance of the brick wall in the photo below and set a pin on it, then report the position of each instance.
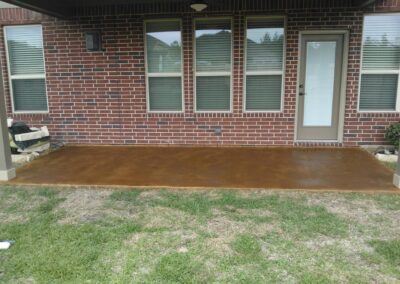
(100, 98)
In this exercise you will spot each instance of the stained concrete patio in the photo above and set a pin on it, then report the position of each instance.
(222, 167)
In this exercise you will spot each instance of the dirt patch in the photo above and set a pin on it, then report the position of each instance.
(223, 229)
(372, 222)
(163, 217)
(179, 237)
(29, 280)
(224, 218)
(118, 262)
(260, 230)
(149, 247)
(353, 209)
(368, 213)
(351, 246)
(14, 209)
(150, 194)
(12, 218)
(83, 206)
(220, 246)
(255, 213)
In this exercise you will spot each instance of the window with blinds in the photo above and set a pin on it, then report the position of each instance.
(164, 66)
(213, 43)
(379, 82)
(264, 64)
(24, 47)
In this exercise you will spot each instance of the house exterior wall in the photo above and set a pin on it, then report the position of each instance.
(100, 97)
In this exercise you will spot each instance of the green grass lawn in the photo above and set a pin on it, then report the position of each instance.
(160, 236)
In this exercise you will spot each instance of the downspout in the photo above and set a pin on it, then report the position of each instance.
(7, 171)
(396, 176)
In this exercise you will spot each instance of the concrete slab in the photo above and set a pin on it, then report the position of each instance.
(216, 167)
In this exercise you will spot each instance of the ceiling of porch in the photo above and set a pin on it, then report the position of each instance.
(70, 8)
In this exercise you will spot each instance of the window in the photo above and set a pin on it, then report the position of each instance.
(24, 46)
(379, 83)
(264, 64)
(164, 66)
(213, 65)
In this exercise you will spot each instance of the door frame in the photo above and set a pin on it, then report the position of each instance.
(343, 81)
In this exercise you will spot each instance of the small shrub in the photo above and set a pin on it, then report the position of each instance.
(392, 134)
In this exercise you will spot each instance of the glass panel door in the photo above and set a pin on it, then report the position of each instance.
(319, 86)
(319, 83)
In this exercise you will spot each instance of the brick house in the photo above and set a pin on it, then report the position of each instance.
(287, 72)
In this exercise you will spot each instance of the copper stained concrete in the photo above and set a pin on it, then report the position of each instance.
(227, 167)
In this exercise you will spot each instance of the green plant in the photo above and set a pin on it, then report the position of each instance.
(392, 134)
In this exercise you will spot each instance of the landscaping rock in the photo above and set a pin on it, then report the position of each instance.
(391, 158)
(22, 159)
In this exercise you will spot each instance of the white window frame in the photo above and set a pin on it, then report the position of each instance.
(29, 76)
(162, 74)
(212, 73)
(376, 72)
(282, 72)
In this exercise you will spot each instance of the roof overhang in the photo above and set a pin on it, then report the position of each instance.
(70, 8)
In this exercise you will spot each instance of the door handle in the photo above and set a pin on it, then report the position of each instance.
(301, 91)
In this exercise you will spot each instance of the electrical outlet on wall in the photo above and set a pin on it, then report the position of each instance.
(218, 130)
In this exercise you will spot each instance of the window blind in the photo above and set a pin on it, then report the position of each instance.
(213, 64)
(213, 93)
(26, 67)
(378, 91)
(264, 63)
(264, 45)
(30, 94)
(263, 92)
(380, 62)
(213, 45)
(164, 65)
(165, 93)
(381, 42)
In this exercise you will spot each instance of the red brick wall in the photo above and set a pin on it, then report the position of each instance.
(100, 98)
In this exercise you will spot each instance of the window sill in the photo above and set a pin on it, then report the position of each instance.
(30, 112)
(165, 112)
(378, 111)
(262, 111)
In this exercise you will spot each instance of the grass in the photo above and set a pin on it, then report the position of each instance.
(175, 268)
(128, 196)
(156, 236)
(390, 165)
(389, 250)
